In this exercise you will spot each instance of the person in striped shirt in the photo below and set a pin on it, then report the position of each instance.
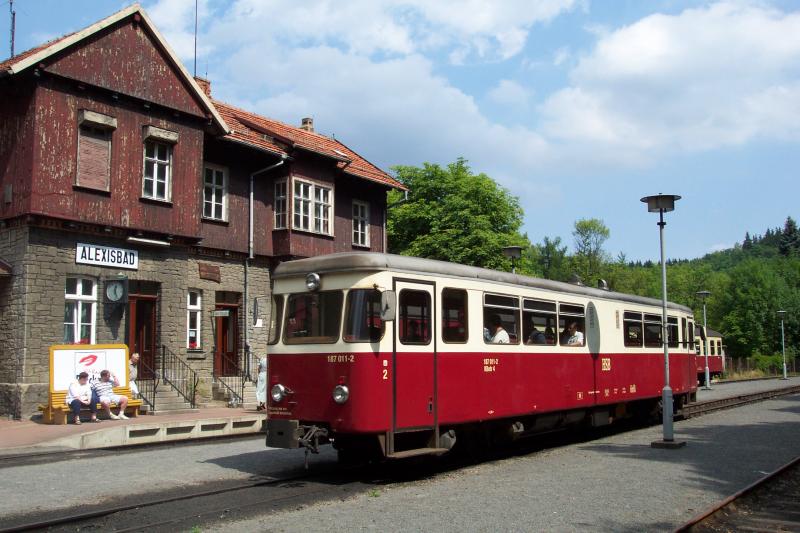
(104, 389)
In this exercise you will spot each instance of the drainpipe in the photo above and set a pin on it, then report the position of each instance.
(251, 255)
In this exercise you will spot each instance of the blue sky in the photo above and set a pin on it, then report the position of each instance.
(578, 107)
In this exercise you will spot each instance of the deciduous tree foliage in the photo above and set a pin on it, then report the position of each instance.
(454, 215)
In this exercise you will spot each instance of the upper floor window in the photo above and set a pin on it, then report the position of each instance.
(94, 150)
(360, 223)
(281, 205)
(157, 170)
(312, 207)
(215, 192)
(80, 299)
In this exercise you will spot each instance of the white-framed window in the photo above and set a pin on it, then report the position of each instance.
(80, 299)
(215, 192)
(281, 205)
(157, 170)
(312, 198)
(194, 315)
(360, 223)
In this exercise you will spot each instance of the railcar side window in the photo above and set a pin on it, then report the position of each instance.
(454, 315)
(685, 331)
(712, 348)
(572, 325)
(652, 330)
(634, 335)
(672, 331)
(500, 319)
(313, 317)
(415, 317)
(539, 322)
(363, 316)
(719, 347)
(275, 315)
(691, 333)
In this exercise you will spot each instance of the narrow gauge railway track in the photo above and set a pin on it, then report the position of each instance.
(769, 504)
(702, 408)
(274, 493)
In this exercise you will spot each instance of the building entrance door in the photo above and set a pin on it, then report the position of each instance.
(226, 359)
(142, 332)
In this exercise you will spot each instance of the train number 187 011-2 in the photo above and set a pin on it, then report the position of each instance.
(341, 358)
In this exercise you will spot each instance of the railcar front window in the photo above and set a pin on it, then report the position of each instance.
(275, 315)
(363, 317)
(313, 318)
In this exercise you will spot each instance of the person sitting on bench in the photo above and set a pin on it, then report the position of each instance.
(80, 394)
(105, 392)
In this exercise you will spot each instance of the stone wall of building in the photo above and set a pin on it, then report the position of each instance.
(49, 259)
(13, 243)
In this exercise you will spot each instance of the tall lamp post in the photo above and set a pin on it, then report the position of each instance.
(781, 314)
(513, 253)
(664, 203)
(703, 295)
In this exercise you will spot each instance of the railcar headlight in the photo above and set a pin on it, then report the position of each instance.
(312, 282)
(340, 394)
(278, 392)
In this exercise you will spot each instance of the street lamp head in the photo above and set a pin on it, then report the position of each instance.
(512, 252)
(660, 202)
(703, 294)
(781, 313)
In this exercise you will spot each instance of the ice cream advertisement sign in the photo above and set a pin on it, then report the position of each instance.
(67, 361)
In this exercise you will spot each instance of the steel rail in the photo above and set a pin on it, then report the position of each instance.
(710, 406)
(99, 513)
(732, 498)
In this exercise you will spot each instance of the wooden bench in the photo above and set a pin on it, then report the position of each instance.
(58, 412)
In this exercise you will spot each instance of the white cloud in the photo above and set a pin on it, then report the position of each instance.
(509, 93)
(561, 56)
(703, 79)
(720, 247)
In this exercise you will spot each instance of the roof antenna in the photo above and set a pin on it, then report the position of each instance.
(195, 38)
(13, 23)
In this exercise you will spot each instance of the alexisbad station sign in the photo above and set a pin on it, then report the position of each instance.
(92, 254)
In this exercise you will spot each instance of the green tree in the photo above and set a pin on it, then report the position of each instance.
(454, 215)
(552, 260)
(590, 234)
(790, 238)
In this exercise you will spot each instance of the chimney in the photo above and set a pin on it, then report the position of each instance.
(307, 124)
(204, 84)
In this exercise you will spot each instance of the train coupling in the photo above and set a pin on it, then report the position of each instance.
(283, 433)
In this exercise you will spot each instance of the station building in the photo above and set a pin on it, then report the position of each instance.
(136, 209)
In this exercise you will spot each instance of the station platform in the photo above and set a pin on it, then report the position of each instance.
(27, 437)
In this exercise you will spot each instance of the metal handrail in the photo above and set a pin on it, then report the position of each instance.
(147, 386)
(179, 375)
(237, 398)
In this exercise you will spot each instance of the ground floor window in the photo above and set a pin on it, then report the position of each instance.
(80, 299)
(193, 320)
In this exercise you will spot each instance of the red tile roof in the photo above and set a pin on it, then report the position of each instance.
(275, 136)
(11, 61)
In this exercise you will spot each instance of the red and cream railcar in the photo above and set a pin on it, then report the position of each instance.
(394, 354)
(711, 341)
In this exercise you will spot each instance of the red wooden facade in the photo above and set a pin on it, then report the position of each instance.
(121, 69)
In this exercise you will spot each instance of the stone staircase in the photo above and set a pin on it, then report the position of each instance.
(168, 400)
(222, 394)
